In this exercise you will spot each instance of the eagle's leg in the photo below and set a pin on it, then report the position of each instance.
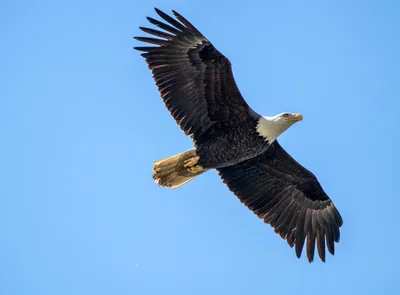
(195, 169)
(191, 161)
(192, 166)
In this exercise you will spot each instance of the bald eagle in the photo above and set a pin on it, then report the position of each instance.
(197, 86)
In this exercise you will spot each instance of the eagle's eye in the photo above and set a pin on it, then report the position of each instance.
(285, 115)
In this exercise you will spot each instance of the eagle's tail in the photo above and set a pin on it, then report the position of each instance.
(177, 170)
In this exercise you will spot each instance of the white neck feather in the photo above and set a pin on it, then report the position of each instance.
(269, 128)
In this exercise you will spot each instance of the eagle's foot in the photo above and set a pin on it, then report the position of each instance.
(191, 162)
(195, 169)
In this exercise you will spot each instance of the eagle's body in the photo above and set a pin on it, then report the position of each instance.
(197, 86)
(232, 145)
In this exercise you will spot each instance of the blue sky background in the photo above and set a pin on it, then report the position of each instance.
(82, 122)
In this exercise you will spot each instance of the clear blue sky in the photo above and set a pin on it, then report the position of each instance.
(82, 122)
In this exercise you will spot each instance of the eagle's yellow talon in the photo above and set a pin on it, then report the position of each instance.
(191, 162)
(195, 169)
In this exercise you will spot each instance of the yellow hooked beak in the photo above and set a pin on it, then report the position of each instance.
(297, 117)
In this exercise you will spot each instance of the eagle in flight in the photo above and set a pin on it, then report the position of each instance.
(197, 86)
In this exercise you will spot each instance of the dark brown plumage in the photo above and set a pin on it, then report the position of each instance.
(195, 80)
(288, 197)
(197, 86)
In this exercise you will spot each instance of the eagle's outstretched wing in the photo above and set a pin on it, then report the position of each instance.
(195, 80)
(288, 197)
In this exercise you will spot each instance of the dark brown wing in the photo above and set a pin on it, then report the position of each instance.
(288, 197)
(195, 80)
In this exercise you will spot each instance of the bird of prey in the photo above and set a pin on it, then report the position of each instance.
(197, 86)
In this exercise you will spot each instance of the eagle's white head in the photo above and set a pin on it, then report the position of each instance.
(271, 127)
